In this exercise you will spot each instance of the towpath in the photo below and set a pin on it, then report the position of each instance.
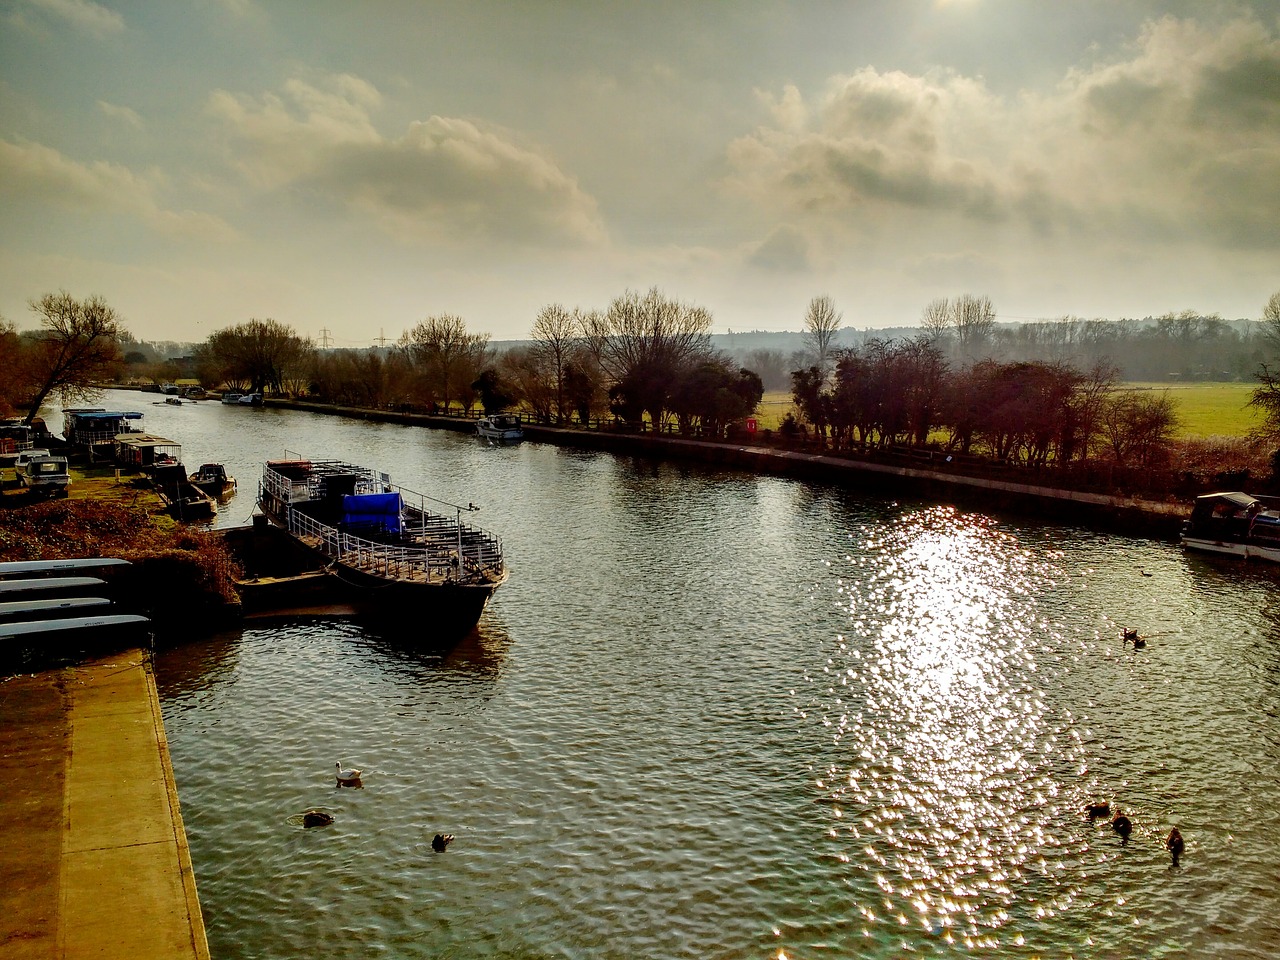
(93, 855)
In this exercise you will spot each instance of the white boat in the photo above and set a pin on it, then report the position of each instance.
(231, 397)
(500, 428)
(391, 551)
(1236, 524)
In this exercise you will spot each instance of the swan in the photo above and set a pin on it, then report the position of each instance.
(1175, 845)
(346, 778)
(440, 841)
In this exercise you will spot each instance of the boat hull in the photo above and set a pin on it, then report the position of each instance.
(1245, 551)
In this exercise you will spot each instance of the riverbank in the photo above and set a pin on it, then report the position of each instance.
(93, 854)
(929, 477)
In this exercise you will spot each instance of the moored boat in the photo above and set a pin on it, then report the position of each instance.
(500, 428)
(1234, 523)
(213, 479)
(399, 553)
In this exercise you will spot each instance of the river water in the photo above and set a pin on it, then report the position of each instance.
(719, 715)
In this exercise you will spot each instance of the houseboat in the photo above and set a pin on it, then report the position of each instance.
(95, 430)
(397, 554)
(1236, 524)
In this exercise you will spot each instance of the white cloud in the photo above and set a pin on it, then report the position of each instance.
(1179, 137)
(82, 14)
(32, 172)
(444, 178)
(116, 112)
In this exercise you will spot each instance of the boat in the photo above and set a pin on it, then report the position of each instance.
(231, 397)
(1234, 523)
(213, 479)
(397, 554)
(250, 400)
(183, 500)
(500, 428)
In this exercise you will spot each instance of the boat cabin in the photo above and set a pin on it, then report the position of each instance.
(93, 427)
(143, 451)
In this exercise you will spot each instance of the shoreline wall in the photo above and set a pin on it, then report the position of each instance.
(1119, 514)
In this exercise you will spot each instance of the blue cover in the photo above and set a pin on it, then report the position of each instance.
(380, 510)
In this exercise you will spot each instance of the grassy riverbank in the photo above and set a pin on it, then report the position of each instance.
(180, 576)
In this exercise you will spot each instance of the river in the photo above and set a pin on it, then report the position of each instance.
(719, 715)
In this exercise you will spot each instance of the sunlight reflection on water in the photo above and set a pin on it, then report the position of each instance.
(719, 715)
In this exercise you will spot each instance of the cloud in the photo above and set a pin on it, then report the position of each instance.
(784, 250)
(130, 117)
(82, 14)
(32, 171)
(1178, 137)
(444, 178)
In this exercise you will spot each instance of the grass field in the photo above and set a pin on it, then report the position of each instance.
(1204, 409)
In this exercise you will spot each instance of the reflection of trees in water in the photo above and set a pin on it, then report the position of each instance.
(184, 669)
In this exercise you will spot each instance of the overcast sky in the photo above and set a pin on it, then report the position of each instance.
(350, 168)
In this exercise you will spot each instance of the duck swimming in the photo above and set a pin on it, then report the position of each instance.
(1099, 809)
(1175, 845)
(316, 818)
(347, 778)
(1122, 826)
(440, 841)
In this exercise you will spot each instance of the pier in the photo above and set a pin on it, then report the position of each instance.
(93, 855)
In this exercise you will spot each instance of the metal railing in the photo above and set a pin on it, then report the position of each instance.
(433, 548)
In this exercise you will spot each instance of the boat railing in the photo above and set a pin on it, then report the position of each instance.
(433, 560)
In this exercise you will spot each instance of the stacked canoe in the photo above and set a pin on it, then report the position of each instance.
(52, 610)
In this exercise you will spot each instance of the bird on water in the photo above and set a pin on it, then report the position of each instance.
(316, 818)
(1122, 826)
(1175, 845)
(440, 841)
(347, 778)
(1099, 809)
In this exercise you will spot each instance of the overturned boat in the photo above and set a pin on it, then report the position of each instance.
(404, 556)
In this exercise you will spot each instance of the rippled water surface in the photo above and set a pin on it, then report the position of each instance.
(720, 715)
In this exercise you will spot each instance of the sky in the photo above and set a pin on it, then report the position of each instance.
(350, 169)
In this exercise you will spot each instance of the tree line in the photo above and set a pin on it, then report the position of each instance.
(646, 360)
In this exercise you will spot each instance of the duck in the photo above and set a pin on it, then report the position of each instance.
(1129, 634)
(1175, 845)
(1099, 809)
(440, 841)
(1122, 826)
(316, 818)
(346, 778)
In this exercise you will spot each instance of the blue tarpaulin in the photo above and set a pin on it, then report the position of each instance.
(381, 510)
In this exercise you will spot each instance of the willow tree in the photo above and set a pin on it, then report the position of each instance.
(76, 347)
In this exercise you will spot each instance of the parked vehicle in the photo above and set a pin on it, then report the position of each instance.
(45, 475)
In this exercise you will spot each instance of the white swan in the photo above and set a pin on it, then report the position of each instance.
(346, 778)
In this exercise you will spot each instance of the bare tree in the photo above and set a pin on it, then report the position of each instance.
(935, 318)
(256, 355)
(1271, 319)
(642, 343)
(556, 335)
(821, 322)
(446, 356)
(973, 318)
(77, 347)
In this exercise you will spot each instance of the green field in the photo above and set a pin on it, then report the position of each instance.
(1204, 409)
(1210, 409)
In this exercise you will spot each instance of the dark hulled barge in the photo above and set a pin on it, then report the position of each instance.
(395, 556)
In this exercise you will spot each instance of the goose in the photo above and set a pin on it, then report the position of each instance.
(346, 778)
(316, 818)
(1175, 845)
(1122, 826)
(440, 841)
